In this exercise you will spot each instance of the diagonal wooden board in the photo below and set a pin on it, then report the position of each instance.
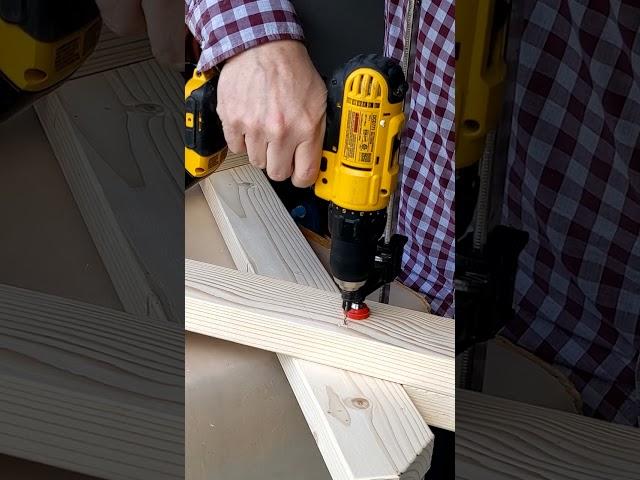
(286, 255)
(117, 136)
(503, 439)
(90, 389)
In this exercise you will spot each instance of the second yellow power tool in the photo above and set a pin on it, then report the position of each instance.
(42, 42)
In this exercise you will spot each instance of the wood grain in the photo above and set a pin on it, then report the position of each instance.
(500, 439)
(286, 258)
(233, 160)
(90, 389)
(115, 51)
(395, 344)
(365, 427)
(118, 140)
(258, 230)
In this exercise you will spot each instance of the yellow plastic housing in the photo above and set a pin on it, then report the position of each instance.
(480, 77)
(33, 66)
(362, 173)
(196, 164)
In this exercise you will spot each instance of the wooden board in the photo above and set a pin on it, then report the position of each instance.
(500, 439)
(114, 51)
(366, 428)
(395, 344)
(38, 210)
(117, 137)
(90, 389)
(282, 445)
(283, 259)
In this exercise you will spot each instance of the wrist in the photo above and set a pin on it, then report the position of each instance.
(225, 31)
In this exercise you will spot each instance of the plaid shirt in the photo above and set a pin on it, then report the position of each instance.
(226, 28)
(573, 183)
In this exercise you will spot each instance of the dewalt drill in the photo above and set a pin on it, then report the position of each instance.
(42, 42)
(358, 175)
(358, 169)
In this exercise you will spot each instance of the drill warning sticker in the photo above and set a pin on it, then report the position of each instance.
(360, 136)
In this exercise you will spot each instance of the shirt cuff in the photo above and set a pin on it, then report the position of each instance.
(225, 28)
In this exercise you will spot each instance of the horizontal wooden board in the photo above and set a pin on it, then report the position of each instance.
(500, 439)
(395, 344)
(90, 389)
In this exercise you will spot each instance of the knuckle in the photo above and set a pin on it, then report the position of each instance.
(305, 177)
(254, 126)
(276, 127)
(307, 124)
(279, 175)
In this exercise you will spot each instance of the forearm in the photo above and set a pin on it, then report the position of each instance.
(226, 28)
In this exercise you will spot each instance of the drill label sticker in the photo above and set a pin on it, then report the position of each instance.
(360, 137)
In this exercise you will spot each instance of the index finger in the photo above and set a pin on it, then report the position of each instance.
(306, 163)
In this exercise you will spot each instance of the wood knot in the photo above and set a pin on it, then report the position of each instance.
(361, 403)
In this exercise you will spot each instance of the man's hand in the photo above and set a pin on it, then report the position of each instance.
(272, 103)
(163, 20)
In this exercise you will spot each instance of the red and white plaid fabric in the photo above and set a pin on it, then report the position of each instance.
(427, 209)
(573, 183)
(225, 28)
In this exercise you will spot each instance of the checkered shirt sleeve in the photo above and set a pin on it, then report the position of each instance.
(573, 183)
(427, 208)
(225, 28)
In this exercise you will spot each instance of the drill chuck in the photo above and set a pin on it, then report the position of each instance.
(354, 241)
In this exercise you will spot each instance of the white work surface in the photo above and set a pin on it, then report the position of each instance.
(242, 419)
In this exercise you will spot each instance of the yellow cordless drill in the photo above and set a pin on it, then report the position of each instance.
(358, 175)
(358, 170)
(42, 42)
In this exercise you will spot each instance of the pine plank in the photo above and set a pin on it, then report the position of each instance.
(500, 439)
(286, 255)
(366, 428)
(117, 137)
(394, 344)
(90, 389)
(115, 51)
